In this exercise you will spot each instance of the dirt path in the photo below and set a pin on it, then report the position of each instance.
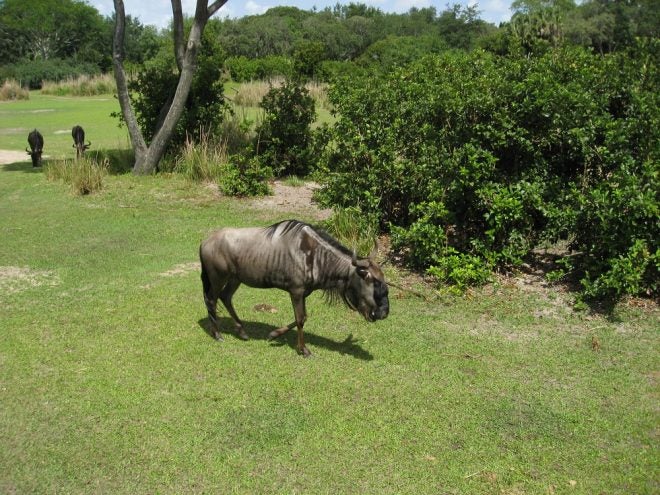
(13, 156)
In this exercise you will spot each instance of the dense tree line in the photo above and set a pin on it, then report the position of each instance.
(70, 30)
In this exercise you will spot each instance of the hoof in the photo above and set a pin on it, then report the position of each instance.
(304, 352)
(242, 335)
(218, 337)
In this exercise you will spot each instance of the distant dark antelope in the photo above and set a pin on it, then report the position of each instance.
(36, 142)
(78, 134)
(294, 257)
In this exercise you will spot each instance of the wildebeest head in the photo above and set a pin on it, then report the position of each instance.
(366, 290)
(36, 142)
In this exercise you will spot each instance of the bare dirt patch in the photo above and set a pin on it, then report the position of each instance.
(12, 156)
(16, 279)
(293, 200)
(181, 269)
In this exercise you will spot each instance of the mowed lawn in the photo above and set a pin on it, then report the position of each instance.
(55, 116)
(110, 383)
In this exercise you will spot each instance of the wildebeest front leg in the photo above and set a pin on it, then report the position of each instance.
(301, 315)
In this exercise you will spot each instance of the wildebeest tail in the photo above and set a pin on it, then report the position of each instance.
(206, 281)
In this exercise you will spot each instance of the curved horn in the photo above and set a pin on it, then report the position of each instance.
(28, 151)
(89, 143)
(359, 263)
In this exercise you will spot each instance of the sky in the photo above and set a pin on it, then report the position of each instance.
(159, 12)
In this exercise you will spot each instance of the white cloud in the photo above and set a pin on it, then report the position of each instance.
(494, 11)
(253, 8)
(402, 6)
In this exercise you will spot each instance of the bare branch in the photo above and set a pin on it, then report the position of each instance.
(177, 23)
(215, 6)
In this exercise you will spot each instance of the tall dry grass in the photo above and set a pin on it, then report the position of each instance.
(251, 93)
(11, 90)
(81, 86)
(84, 175)
(202, 161)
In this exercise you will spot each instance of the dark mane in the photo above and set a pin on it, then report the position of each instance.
(294, 226)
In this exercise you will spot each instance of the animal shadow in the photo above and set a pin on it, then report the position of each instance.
(260, 331)
(22, 166)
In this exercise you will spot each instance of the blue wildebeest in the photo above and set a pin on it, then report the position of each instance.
(36, 142)
(292, 256)
(78, 135)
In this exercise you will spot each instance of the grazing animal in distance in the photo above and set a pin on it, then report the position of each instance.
(36, 142)
(295, 257)
(78, 134)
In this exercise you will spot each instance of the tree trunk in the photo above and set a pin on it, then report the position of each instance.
(148, 157)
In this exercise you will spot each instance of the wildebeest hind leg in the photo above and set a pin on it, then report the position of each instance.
(225, 296)
(281, 331)
(211, 303)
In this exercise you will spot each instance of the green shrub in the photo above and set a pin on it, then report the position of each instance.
(461, 270)
(468, 154)
(284, 138)
(245, 177)
(617, 231)
(425, 240)
(635, 272)
(243, 69)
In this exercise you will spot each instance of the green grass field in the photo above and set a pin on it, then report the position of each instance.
(110, 382)
(54, 116)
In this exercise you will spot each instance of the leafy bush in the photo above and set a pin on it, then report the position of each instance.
(245, 177)
(485, 156)
(284, 138)
(461, 270)
(243, 69)
(617, 231)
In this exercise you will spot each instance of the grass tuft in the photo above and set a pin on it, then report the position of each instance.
(293, 181)
(354, 230)
(11, 90)
(202, 161)
(84, 175)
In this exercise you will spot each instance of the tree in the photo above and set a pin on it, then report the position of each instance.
(148, 156)
(44, 29)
